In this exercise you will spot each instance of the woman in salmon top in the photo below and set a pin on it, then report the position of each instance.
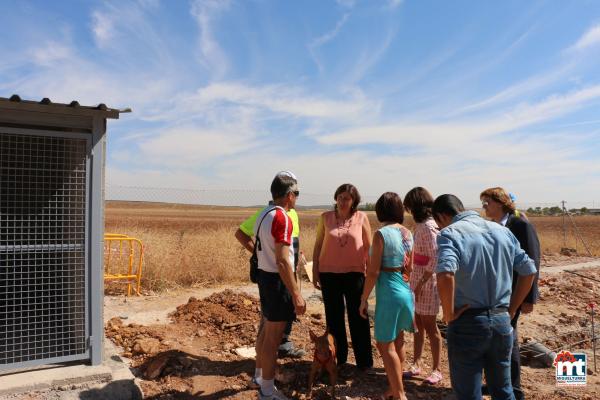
(340, 260)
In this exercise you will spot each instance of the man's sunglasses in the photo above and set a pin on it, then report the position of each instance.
(296, 193)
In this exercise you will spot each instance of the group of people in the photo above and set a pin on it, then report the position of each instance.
(483, 274)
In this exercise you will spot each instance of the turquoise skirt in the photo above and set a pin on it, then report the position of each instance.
(395, 307)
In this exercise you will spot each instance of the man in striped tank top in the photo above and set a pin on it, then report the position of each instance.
(280, 297)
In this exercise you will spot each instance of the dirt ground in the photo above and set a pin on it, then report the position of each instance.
(188, 351)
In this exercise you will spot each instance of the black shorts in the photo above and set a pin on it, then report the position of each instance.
(275, 299)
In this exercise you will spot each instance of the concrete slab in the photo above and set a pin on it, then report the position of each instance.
(571, 267)
(111, 380)
(46, 378)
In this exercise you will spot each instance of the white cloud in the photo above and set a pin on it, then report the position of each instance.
(50, 53)
(395, 3)
(151, 4)
(518, 90)
(152, 177)
(531, 168)
(212, 56)
(275, 98)
(456, 134)
(102, 27)
(325, 38)
(131, 66)
(369, 57)
(193, 146)
(588, 39)
(329, 36)
(184, 136)
(346, 3)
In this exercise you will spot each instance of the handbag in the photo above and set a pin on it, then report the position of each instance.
(257, 247)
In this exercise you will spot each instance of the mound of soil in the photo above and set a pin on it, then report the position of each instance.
(194, 356)
(218, 310)
(228, 315)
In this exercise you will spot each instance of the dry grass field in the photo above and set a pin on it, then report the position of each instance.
(188, 246)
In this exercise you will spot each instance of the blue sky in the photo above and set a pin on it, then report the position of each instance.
(454, 96)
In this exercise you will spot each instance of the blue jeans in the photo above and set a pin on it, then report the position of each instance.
(476, 343)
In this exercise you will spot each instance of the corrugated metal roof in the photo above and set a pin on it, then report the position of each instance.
(15, 102)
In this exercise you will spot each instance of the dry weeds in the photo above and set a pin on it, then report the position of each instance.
(195, 245)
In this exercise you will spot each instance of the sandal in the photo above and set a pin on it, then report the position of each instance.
(413, 371)
(435, 378)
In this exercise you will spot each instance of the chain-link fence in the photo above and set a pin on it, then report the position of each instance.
(249, 198)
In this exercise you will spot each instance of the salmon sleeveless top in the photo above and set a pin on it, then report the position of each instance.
(343, 249)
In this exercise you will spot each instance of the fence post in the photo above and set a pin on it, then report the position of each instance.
(592, 306)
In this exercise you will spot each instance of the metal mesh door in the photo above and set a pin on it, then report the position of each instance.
(42, 249)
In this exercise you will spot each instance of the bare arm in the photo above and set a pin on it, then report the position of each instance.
(426, 276)
(429, 247)
(286, 271)
(445, 285)
(373, 270)
(521, 291)
(409, 267)
(317, 252)
(366, 238)
(244, 240)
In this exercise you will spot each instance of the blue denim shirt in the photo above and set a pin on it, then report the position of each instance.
(482, 255)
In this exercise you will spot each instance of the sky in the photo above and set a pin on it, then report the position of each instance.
(386, 94)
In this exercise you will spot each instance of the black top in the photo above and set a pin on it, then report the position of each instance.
(525, 233)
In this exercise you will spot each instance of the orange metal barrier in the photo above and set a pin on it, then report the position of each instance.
(123, 257)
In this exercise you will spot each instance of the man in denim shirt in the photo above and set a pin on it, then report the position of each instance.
(476, 260)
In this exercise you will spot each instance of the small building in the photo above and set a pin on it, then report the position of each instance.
(593, 211)
(51, 231)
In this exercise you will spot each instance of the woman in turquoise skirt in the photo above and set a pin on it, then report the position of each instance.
(391, 263)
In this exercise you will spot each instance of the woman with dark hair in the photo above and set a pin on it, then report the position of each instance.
(418, 201)
(339, 263)
(391, 258)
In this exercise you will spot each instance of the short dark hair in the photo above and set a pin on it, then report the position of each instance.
(352, 191)
(282, 185)
(389, 208)
(419, 202)
(447, 204)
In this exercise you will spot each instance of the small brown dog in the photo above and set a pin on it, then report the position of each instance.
(323, 359)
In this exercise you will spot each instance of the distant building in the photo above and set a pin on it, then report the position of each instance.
(593, 211)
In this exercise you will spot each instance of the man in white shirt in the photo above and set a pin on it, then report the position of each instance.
(280, 297)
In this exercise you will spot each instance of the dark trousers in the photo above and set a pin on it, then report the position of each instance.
(286, 343)
(515, 361)
(341, 293)
(479, 343)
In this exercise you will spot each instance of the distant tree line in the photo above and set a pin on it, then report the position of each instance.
(530, 211)
(554, 210)
(367, 207)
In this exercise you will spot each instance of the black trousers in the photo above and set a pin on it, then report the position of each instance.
(341, 293)
(288, 326)
(515, 361)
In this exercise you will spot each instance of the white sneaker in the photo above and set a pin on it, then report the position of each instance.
(277, 395)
